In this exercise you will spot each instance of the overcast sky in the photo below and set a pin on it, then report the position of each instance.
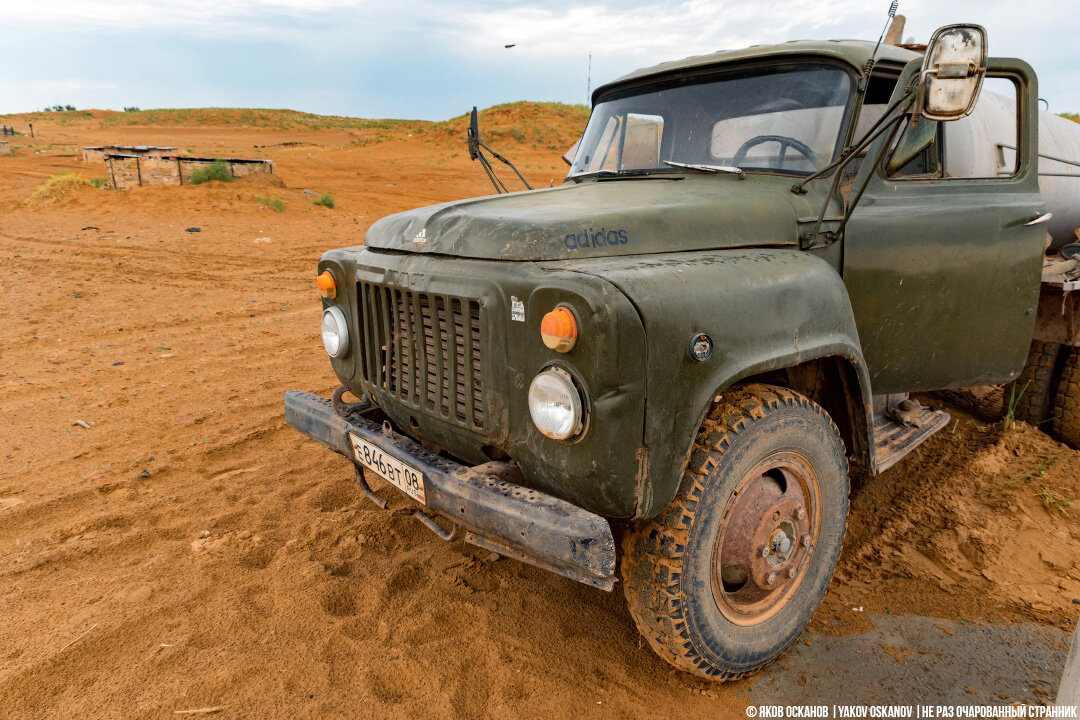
(434, 60)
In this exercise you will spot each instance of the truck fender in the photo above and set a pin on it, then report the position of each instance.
(764, 310)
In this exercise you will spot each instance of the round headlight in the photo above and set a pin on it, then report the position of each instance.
(335, 332)
(555, 404)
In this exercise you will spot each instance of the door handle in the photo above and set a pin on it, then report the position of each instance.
(1029, 221)
(1038, 219)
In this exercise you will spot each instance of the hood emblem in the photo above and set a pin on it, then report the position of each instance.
(421, 237)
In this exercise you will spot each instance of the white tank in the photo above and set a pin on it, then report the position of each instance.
(983, 145)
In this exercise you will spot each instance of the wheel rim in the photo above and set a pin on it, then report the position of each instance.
(767, 536)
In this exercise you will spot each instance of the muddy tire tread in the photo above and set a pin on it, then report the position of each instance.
(651, 568)
(1037, 382)
(1066, 413)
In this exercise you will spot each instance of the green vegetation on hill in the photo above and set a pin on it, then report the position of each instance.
(57, 116)
(1071, 116)
(248, 117)
(550, 125)
(546, 125)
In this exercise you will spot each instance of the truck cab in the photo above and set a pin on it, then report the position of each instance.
(755, 257)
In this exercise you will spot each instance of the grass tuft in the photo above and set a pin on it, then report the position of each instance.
(217, 170)
(1013, 403)
(1053, 502)
(274, 203)
(62, 186)
(326, 201)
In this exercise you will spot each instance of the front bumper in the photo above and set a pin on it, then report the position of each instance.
(509, 519)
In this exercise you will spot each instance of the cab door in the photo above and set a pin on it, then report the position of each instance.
(943, 266)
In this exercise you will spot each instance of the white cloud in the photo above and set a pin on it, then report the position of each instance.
(665, 30)
(439, 49)
(57, 84)
(536, 27)
(204, 16)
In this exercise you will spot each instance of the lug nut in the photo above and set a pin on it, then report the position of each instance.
(764, 551)
(800, 513)
(791, 572)
(806, 541)
(770, 579)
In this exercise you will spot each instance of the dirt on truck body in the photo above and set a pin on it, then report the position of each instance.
(660, 371)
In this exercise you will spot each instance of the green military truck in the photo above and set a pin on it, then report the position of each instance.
(754, 259)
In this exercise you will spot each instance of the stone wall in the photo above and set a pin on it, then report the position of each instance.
(240, 168)
(128, 170)
(123, 171)
(157, 170)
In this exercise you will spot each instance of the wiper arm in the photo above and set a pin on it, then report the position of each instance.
(607, 173)
(731, 169)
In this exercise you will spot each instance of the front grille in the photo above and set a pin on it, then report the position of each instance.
(424, 349)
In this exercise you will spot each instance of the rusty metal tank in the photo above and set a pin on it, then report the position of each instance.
(984, 145)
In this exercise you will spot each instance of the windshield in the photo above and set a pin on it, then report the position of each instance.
(781, 118)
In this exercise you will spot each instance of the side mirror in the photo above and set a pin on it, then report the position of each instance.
(952, 72)
(474, 136)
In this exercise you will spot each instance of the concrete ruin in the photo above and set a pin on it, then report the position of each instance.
(5, 147)
(97, 153)
(7, 130)
(128, 170)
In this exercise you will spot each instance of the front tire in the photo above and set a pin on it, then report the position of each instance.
(727, 576)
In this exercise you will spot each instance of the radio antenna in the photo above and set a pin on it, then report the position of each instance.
(588, 81)
(873, 56)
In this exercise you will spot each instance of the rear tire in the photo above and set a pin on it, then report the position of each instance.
(1066, 410)
(1035, 385)
(710, 597)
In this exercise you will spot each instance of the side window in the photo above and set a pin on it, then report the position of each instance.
(605, 155)
(641, 141)
(983, 145)
(916, 150)
(629, 142)
(609, 144)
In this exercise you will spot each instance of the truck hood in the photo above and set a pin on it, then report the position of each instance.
(602, 218)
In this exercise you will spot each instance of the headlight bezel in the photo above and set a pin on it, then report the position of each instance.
(342, 328)
(576, 397)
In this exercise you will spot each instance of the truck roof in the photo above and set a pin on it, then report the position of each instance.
(854, 52)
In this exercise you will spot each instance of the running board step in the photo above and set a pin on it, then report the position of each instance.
(894, 438)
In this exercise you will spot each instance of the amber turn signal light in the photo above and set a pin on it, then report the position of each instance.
(558, 330)
(326, 285)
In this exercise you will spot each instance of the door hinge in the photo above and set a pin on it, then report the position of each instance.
(809, 241)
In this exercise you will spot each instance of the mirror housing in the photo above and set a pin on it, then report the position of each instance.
(952, 72)
(473, 134)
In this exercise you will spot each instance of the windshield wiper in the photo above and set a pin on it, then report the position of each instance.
(708, 168)
(639, 174)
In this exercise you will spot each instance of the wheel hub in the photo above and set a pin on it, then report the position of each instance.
(766, 538)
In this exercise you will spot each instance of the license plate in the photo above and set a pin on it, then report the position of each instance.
(401, 475)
